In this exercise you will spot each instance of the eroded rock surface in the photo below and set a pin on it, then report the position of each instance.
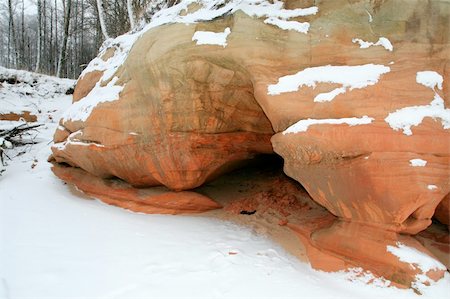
(443, 211)
(118, 193)
(355, 96)
(25, 115)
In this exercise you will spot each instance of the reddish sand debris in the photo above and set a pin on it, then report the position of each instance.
(282, 222)
(283, 197)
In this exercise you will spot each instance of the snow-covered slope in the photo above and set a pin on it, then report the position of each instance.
(54, 243)
(26, 91)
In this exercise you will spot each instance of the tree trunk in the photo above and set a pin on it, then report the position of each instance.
(82, 33)
(50, 50)
(22, 42)
(100, 17)
(39, 37)
(55, 66)
(130, 14)
(62, 55)
(13, 32)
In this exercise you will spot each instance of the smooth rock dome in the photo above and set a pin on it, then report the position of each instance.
(352, 94)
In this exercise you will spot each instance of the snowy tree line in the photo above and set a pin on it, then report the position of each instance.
(59, 37)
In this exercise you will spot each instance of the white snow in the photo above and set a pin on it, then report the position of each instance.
(212, 38)
(370, 16)
(430, 79)
(302, 125)
(432, 187)
(350, 77)
(382, 41)
(385, 43)
(262, 8)
(417, 162)
(302, 27)
(21, 96)
(359, 274)
(73, 140)
(82, 109)
(56, 244)
(419, 260)
(329, 96)
(405, 118)
(415, 257)
(5, 143)
(276, 15)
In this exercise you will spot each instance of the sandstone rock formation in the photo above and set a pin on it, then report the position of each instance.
(25, 115)
(354, 94)
(443, 211)
(121, 194)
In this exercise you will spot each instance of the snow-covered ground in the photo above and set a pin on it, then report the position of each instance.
(30, 92)
(54, 243)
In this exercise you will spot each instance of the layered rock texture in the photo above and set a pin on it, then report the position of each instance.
(352, 94)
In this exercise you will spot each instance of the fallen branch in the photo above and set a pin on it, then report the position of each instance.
(17, 136)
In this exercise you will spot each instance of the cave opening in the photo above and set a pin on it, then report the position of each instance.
(259, 188)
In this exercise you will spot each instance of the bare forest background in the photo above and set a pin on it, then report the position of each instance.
(60, 37)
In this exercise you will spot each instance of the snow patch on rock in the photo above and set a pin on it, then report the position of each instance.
(211, 38)
(370, 16)
(405, 118)
(302, 27)
(303, 125)
(416, 258)
(276, 15)
(72, 139)
(382, 41)
(329, 96)
(350, 77)
(417, 162)
(81, 110)
(430, 79)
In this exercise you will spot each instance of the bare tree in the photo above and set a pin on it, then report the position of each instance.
(62, 36)
(22, 40)
(130, 14)
(39, 36)
(62, 55)
(12, 33)
(101, 18)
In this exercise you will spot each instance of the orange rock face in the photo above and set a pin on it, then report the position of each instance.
(120, 194)
(443, 211)
(335, 245)
(26, 115)
(361, 183)
(373, 147)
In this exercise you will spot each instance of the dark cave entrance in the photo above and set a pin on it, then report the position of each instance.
(259, 187)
